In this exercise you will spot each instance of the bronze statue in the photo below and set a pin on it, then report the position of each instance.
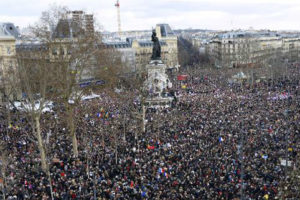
(156, 51)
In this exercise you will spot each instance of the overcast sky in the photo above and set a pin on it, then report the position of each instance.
(144, 14)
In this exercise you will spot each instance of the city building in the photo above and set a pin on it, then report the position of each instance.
(8, 35)
(291, 48)
(126, 51)
(137, 48)
(71, 35)
(84, 20)
(242, 48)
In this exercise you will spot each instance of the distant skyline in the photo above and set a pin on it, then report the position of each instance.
(179, 14)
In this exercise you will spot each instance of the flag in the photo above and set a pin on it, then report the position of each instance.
(150, 147)
(166, 174)
(161, 170)
(144, 194)
(131, 184)
(221, 139)
(182, 77)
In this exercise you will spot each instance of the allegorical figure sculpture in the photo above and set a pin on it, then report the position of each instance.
(156, 51)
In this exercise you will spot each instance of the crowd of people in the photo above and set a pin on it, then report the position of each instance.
(219, 140)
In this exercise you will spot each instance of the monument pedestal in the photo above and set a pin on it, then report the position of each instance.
(157, 85)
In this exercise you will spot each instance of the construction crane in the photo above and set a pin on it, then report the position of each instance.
(117, 5)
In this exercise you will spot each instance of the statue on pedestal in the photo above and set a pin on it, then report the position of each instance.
(157, 83)
(156, 51)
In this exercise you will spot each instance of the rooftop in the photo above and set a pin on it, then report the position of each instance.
(128, 43)
(165, 30)
(8, 29)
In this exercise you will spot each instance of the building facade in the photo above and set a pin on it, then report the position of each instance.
(137, 51)
(8, 35)
(84, 20)
(236, 49)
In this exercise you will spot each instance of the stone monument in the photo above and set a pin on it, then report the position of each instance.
(156, 50)
(157, 84)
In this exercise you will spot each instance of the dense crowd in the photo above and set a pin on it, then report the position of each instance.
(217, 141)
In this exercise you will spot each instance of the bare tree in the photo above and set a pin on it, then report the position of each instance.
(3, 167)
(74, 52)
(109, 69)
(9, 83)
(74, 69)
(188, 54)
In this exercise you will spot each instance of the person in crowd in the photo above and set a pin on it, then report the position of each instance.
(217, 141)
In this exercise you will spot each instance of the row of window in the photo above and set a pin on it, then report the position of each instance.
(60, 52)
(6, 50)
